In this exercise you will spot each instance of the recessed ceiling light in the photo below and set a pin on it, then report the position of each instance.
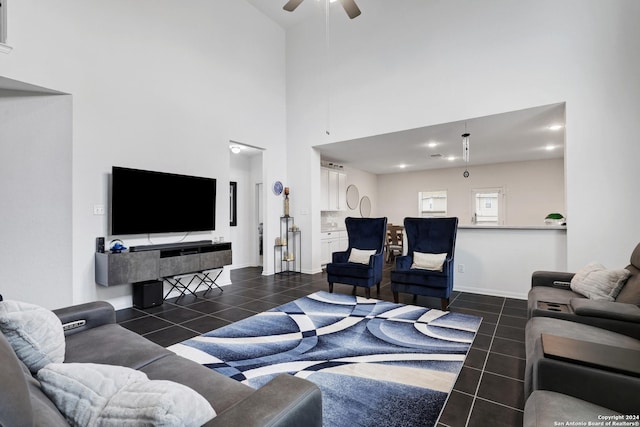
(402, 166)
(451, 158)
(550, 147)
(432, 144)
(235, 149)
(556, 127)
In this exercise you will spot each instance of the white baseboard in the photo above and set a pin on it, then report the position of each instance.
(491, 292)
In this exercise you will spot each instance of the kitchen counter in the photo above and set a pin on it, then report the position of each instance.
(513, 227)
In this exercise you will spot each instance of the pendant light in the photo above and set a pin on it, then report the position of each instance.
(465, 149)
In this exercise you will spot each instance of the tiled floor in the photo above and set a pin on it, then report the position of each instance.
(489, 390)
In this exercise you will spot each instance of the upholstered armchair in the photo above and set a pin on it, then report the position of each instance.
(361, 264)
(427, 269)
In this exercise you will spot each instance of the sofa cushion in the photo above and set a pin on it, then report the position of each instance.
(435, 279)
(546, 408)
(34, 332)
(350, 269)
(425, 261)
(596, 282)
(361, 256)
(94, 394)
(221, 391)
(112, 344)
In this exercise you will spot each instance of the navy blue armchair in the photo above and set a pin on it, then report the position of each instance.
(426, 236)
(365, 234)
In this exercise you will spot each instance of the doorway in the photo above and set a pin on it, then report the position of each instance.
(259, 224)
(246, 231)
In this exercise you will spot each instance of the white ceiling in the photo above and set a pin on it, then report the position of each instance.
(515, 136)
(508, 137)
(309, 8)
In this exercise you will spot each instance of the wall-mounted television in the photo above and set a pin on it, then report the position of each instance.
(144, 202)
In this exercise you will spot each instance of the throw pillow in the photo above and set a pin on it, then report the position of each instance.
(594, 281)
(361, 256)
(34, 332)
(106, 395)
(426, 261)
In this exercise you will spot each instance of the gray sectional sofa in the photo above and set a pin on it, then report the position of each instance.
(285, 401)
(592, 373)
(620, 316)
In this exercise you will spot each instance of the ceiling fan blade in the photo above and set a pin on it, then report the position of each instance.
(291, 5)
(351, 8)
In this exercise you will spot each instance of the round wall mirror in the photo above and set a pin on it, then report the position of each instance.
(365, 207)
(353, 196)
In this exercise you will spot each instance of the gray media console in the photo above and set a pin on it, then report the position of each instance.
(155, 262)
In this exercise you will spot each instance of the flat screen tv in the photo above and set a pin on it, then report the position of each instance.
(144, 202)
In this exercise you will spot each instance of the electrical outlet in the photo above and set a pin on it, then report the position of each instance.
(460, 268)
(98, 209)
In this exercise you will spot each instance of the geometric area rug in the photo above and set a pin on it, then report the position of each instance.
(377, 363)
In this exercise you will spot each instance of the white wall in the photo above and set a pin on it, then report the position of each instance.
(35, 198)
(499, 261)
(532, 190)
(413, 63)
(158, 85)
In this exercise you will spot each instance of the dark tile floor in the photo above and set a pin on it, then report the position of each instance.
(489, 390)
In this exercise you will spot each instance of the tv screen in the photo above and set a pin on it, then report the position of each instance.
(145, 202)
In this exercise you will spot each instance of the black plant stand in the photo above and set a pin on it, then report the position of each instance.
(286, 251)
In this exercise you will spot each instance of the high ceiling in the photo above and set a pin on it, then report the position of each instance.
(514, 136)
(309, 8)
(508, 137)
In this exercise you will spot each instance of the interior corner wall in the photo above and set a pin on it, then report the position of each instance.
(412, 63)
(156, 85)
(35, 199)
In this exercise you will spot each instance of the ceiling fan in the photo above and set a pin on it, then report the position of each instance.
(349, 6)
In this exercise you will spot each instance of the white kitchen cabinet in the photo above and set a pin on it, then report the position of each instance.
(333, 190)
(332, 241)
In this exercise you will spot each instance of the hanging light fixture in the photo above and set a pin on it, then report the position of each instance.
(465, 149)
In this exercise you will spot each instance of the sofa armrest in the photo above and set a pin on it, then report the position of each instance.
(554, 279)
(286, 401)
(606, 309)
(93, 313)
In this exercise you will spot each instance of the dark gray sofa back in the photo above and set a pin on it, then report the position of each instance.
(630, 292)
(22, 402)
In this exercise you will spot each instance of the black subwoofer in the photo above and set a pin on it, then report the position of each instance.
(147, 294)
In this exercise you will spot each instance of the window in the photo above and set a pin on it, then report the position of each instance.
(487, 206)
(432, 203)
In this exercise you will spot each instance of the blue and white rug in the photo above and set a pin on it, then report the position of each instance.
(377, 363)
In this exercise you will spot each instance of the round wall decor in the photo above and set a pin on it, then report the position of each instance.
(353, 196)
(365, 207)
(277, 188)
